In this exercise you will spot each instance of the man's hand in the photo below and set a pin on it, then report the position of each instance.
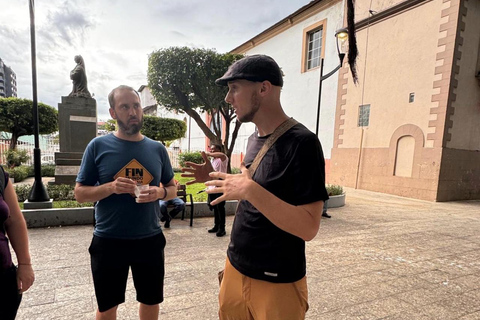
(233, 186)
(200, 172)
(123, 185)
(149, 195)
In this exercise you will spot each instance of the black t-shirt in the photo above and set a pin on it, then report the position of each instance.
(293, 169)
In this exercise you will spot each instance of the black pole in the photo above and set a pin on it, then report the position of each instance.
(38, 192)
(341, 56)
(319, 96)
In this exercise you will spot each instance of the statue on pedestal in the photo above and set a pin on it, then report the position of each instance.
(79, 79)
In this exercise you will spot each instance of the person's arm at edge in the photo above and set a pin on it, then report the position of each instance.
(16, 228)
(220, 155)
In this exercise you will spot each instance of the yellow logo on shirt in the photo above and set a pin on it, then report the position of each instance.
(135, 171)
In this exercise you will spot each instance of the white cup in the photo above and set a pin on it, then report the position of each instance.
(139, 188)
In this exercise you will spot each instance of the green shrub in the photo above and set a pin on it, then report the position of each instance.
(236, 170)
(61, 192)
(195, 157)
(16, 157)
(47, 170)
(22, 191)
(18, 173)
(334, 190)
(71, 204)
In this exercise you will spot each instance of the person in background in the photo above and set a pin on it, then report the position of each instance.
(178, 206)
(219, 163)
(324, 212)
(14, 280)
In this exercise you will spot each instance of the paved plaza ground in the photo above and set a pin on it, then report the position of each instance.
(378, 257)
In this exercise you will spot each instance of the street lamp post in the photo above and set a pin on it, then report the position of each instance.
(341, 36)
(38, 192)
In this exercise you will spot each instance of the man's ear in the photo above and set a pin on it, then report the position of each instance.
(112, 113)
(265, 87)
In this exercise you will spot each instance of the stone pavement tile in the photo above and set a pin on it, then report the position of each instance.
(328, 303)
(182, 287)
(37, 297)
(74, 292)
(475, 294)
(352, 282)
(387, 307)
(407, 269)
(175, 303)
(453, 266)
(205, 297)
(372, 292)
(466, 304)
(78, 316)
(439, 311)
(65, 277)
(471, 316)
(423, 296)
(206, 311)
(407, 283)
(63, 309)
(354, 312)
(435, 276)
(464, 284)
(409, 314)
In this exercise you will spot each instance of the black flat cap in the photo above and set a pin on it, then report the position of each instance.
(256, 68)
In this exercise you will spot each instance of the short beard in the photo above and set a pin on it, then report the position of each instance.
(255, 105)
(130, 130)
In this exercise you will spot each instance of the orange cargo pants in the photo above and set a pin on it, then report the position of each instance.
(244, 298)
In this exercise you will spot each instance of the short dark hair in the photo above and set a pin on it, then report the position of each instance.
(111, 99)
(217, 146)
(256, 68)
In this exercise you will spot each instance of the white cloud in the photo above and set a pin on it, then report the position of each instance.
(115, 37)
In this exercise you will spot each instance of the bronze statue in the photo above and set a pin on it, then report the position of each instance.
(79, 79)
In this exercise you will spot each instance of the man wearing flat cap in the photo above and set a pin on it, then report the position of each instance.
(281, 192)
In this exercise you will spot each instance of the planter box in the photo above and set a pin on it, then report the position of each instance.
(336, 201)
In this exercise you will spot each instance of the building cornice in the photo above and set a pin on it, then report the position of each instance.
(388, 13)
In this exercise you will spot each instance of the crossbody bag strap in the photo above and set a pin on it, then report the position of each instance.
(279, 131)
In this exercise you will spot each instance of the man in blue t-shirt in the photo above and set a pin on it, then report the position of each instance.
(279, 208)
(127, 232)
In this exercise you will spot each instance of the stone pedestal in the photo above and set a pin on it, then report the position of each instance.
(77, 120)
(38, 205)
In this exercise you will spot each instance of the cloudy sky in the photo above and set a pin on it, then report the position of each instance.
(115, 37)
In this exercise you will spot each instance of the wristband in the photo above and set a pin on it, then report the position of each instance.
(24, 264)
(165, 193)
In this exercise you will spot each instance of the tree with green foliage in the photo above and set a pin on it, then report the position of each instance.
(110, 125)
(164, 130)
(16, 118)
(183, 79)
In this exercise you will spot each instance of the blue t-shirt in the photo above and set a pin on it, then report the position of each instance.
(147, 162)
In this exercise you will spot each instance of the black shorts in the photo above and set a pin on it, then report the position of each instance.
(9, 297)
(110, 262)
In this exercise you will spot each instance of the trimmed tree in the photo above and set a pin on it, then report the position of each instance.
(16, 118)
(183, 79)
(164, 130)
